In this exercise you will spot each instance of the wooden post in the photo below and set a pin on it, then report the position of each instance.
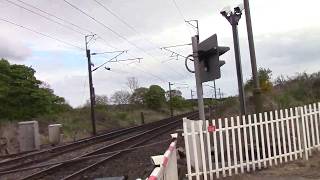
(142, 118)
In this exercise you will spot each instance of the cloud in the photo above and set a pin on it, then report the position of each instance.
(285, 42)
(14, 50)
(295, 46)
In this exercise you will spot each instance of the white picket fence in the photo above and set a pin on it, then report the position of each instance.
(234, 145)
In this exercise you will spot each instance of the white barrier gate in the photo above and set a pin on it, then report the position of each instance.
(234, 145)
(168, 169)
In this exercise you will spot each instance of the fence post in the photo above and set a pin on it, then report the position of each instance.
(303, 133)
(142, 118)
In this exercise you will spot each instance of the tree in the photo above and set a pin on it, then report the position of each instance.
(178, 102)
(121, 97)
(264, 80)
(102, 100)
(138, 96)
(132, 83)
(22, 96)
(155, 97)
(174, 93)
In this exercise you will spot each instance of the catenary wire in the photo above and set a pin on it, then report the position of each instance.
(130, 27)
(40, 33)
(113, 31)
(45, 17)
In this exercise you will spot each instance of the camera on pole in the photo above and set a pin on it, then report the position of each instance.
(209, 52)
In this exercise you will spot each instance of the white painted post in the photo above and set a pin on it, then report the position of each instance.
(203, 157)
(273, 138)
(228, 145)
(215, 149)
(263, 123)
(209, 150)
(311, 112)
(195, 150)
(266, 119)
(251, 142)
(293, 134)
(234, 147)
(186, 141)
(240, 145)
(283, 134)
(299, 117)
(257, 139)
(278, 136)
(307, 126)
(304, 138)
(316, 110)
(246, 148)
(222, 148)
(288, 133)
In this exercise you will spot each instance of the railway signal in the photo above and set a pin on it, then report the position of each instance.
(207, 63)
(210, 63)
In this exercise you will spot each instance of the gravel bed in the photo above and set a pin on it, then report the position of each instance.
(65, 156)
(135, 164)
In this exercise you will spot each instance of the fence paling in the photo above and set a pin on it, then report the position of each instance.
(267, 139)
(186, 141)
(251, 142)
(222, 149)
(209, 150)
(195, 151)
(204, 165)
(234, 148)
(215, 146)
(307, 130)
(317, 123)
(262, 140)
(257, 139)
(311, 111)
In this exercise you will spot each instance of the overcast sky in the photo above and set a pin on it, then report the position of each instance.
(286, 32)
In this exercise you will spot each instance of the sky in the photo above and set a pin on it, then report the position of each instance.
(286, 35)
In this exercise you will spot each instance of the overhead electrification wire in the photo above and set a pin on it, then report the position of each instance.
(59, 18)
(181, 15)
(111, 30)
(131, 27)
(178, 9)
(40, 33)
(65, 21)
(45, 17)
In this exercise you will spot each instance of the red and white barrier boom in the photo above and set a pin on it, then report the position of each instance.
(168, 169)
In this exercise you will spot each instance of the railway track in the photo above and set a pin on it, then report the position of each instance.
(43, 155)
(73, 170)
(37, 157)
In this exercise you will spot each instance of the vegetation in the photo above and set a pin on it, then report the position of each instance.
(155, 97)
(22, 96)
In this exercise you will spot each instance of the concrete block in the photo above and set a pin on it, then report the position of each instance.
(54, 133)
(28, 136)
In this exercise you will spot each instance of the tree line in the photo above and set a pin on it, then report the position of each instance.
(23, 96)
(153, 97)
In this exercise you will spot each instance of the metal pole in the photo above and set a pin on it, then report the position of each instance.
(239, 69)
(195, 44)
(92, 94)
(219, 93)
(170, 96)
(255, 76)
